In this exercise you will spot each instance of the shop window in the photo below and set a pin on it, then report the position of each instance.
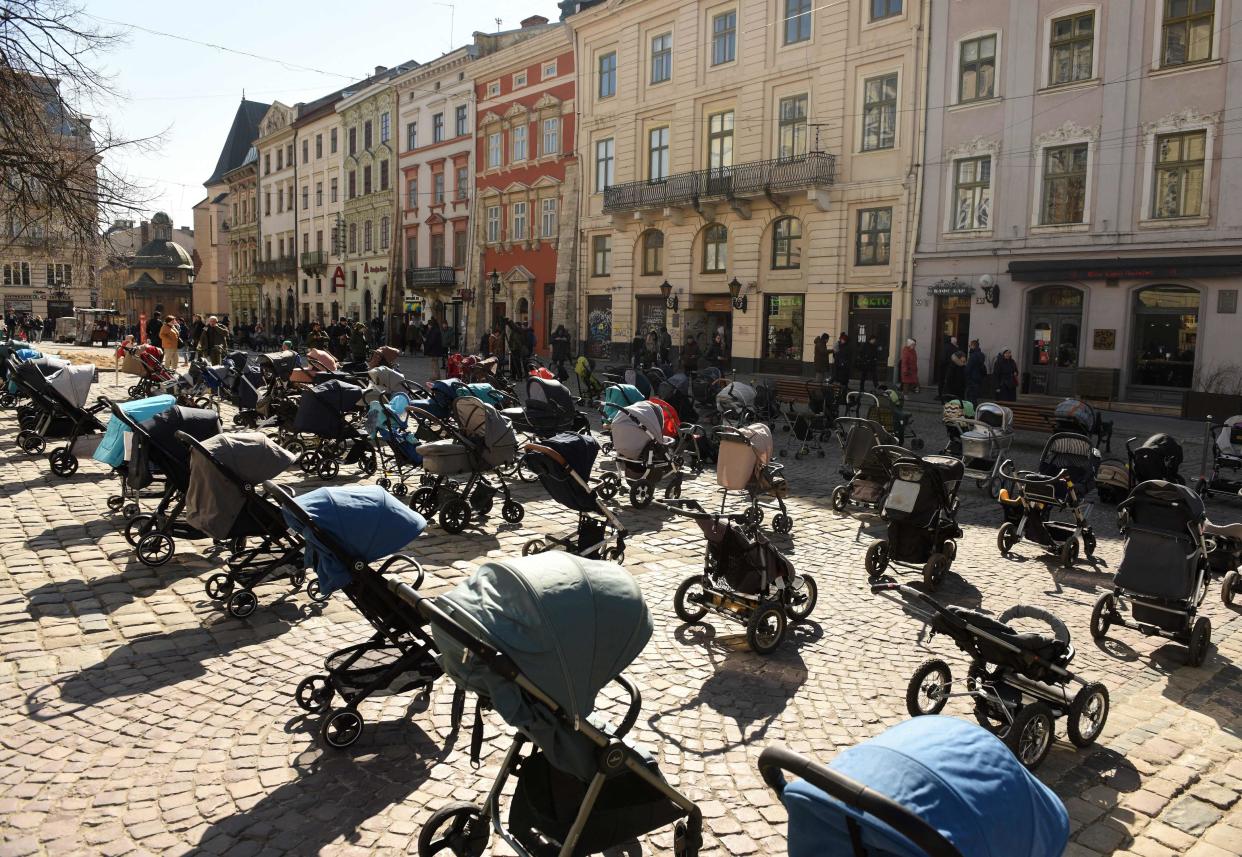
(783, 321)
(1165, 336)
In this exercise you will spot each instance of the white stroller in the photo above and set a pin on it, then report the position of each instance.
(744, 464)
(644, 455)
(985, 446)
(1220, 470)
(735, 403)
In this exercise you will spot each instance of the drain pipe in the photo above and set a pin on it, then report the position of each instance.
(914, 199)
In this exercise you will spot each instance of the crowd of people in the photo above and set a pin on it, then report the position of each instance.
(29, 326)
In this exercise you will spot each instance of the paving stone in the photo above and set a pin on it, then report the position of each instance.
(1192, 816)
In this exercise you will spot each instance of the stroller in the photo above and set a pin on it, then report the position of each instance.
(223, 503)
(115, 447)
(886, 407)
(745, 579)
(921, 511)
(147, 363)
(616, 397)
(396, 447)
(915, 791)
(345, 530)
(1019, 680)
(582, 789)
(328, 432)
(1224, 554)
(676, 391)
(810, 428)
(1077, 417)
(735, 404)
(590, 387)
(563, 464)
(646, 453)
(744, 464)
(1159, 457)
(1065, 477)
(481, 442)
(549, 410)
(868, 476)
(1163, 571)
(61, 413)
(958, 416)
(985, 445)
(1220, 470)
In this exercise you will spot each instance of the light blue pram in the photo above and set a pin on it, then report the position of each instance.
(113, 449)
(398, 441)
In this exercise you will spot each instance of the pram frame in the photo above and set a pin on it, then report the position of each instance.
(1063, 536)
(568, 543)
(1211, 483)
(987, 480)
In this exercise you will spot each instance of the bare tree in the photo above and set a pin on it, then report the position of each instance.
(55, 181)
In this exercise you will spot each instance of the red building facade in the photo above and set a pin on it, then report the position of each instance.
(526, 185)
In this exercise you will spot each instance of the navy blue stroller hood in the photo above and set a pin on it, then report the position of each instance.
(956, 776)
(323, 407)
(364, 520)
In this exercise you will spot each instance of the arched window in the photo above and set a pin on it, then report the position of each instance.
(367, 239)
(715, 249)
(1166, 334)
(523, 310)
(787, 244)
(653, 252)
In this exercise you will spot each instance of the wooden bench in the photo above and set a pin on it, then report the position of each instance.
(1042, 418)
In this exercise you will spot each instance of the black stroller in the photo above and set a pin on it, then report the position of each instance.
(1077, 417)
(563, 464)
(1066, 476)
(59, 411)
(224, 504)
(346, 529)
(1159, 457)
(1163, 571)
(921, 510)
(1019, 681)
(549, 409)
(1220, 468)
(582, 789)
(744, 579)
(867, 473)
(327, 423)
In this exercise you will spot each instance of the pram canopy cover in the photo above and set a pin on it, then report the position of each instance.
(995, 416)
(619, 396)
(1229, 440)
(496, 444)
(735, 395)
(1075, 412)
(111, 450)
(579, 451)
(1074, 454)
(1161, 557)
(956, 776)
(323, 407)
(742, 456)
(73, 383)
(570, 624)
(214, 500)
(167, 453)
(387, 379)
(636, 426)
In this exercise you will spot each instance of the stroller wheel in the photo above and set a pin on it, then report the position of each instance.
(876, 559)
(1200, 637)
(533, 547)
(399, 490)
(1228, 587)
(934, 570)
(137, 527)
(241, 604)
(367, 464)
(423, 501)
(613, 554)
(688, 600)
(840, 498)
(1030, 735)
(458, 828)
(115, 503)
(802, 599)
(641, 494)
(1088, 543)
(1102, 616)
(341, 728)
(155, 549)
(135, 392)
(609, 485)
(1087, 715)
(297, 577)
(219, 587)
(384, 482)
(29, 441)
(455, 516)
(513, 511)
(314, 694)
(329, 468)
(949, 549)
(929, 688)
(1006, 538)
(782, 523)
(63, 462)
(766, 627)
(309, 461)
(129, 510)
(752, 517)
(316, 593)
(1068, 552)
(673, 491)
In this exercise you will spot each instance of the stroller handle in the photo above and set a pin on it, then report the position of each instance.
(775, 760)
(1026, 476)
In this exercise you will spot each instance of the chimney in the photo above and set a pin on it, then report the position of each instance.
(144, 233)
(534, 21)
(380, 69)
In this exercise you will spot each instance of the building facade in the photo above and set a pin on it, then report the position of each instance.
(527, 183)
(242, 231)
(278, 248)
(320, 223)
(1080, 204)
(160, 274)
(122, 243)
(759, 158)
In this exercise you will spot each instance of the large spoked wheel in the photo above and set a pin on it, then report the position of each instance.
(1102, 616)
(341, 728)
(782, 523)
(766, 628)
(455, 516)
(802, 598)
(876, 559)
(1006, 538)
(513, 512)
(329, 468)
(1200, 638)
(840, 498)
(241, 604)
(641, 494)
(314, 694)
(309, 461)
(219, 587)
(423, 501)
(137, 527)
(1087, 715)
(934, 570)
(609, 485)
(459, 828)
(63, 462)
(1030, 736)
(30, 442)
(929, 687)
(155, 549)
(688, 600)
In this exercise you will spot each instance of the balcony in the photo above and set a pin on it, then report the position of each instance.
(314, 262)
(815, 171)
(440, 276)
(276, 267)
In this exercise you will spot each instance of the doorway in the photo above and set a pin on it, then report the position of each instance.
(952, 319)
(1055, 335)
(871, 315)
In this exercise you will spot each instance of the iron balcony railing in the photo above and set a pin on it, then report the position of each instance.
(283, 265)
(314, 261)
(439, 275)
(756, 178)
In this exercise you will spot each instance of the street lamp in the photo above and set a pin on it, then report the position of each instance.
(670, 299)
(735, 293)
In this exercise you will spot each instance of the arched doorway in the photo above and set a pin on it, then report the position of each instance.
(366, 305)
(1164, 344)
(1054, 332)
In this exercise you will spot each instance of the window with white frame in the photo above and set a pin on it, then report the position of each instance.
(879, 112)
(661, 57)
(385, 127)
(601, 255)
(605, 161)
(463, 183)
(1179, 171)
(547, 217)
(881, 9)
(493, 150)
(874, 236)
(791, 127)
(549, 69)
(493, 89)
(972, 193)
(383, 232)
(461, 122)
(493, 224)
(724, 37)
(1186, 31)
(368, 240)
(1071, 48)
(518, 221)
(437, 128)
(411, 135)
(797, 20)
(59, 273)
(518, 137)
(1064, 192)
(519, 80)
(551, 136)
(720, 140)
(715, 249)
(437, 188)
(976, 69)
(657, 154)
(412, 190)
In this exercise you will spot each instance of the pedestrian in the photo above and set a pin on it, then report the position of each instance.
(517, 343)
(196, 330)
(822, 361)
(358, 343)
(433, 346)
(690, 355)
(637, 346)
(716, 355)
(10, 323)
(666, 346)
(955, 377)
(377, 331)
(529, 340)
(947, 349)
(909, 367)
(317, 338)
(1006, 372)
(976, 372)
(413, 338)
(154, 324)
(213, 341)
(170, 341)
(560, 351)
(842, 359)
(496, 346)
(868, 356)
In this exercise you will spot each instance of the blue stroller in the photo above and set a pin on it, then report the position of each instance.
(915, 790)
(397, 447)
(114, 449)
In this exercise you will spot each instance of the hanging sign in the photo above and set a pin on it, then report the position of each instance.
(338, 278)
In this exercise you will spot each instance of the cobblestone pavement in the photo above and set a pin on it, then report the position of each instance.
(135, 717)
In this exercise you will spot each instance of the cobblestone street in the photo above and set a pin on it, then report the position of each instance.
(137, 717)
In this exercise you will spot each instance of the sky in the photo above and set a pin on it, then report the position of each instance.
(189, 92)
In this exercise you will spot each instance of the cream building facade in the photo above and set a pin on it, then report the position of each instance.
(242, 228)
(763, 147)
(277, 165)
(320, 223)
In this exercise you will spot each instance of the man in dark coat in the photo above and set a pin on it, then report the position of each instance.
(947, 349)
(868, 355)
(843, 357)
(154, 324)
(976, 372)
(822, 362)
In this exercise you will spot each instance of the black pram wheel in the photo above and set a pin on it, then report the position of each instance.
(115, 503)
(1228, 588)
(840, 498)
(609, 485)
(155, 549)
(341, 728)
(766, 628)
(782, 523)
(329, 468)
(1068, 552)
(688, 600)
(241, 604)
(1006, 538)
(458, 829)
(513, 512)
(1102, 616)
(1088, 543)
(929, 688)
(455, 516)
(423, 501)
(63, 462)
(876, 559)
(399, 490)
(1200, 638)
(802, 601)
(934, 570)
(367, 464)
(218, 587)
(1031, 733)
(1087, 715)
(314, 694)
(641, 494)
(137, 527)
(316, 593)
(384, 482)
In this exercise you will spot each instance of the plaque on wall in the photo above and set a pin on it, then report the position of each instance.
(1105, 339)
(1227, 301)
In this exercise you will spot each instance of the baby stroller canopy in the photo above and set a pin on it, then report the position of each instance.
(482, 391)
(995, 416)
(111, 450)
(636, 426)
(167, 453)
(386, 379)
(619, 396)
(579, 451)
(956, 776)
(1072, 412)
(1074, 454)
(571, 625)
(671, 419)
(1160, 457)
(738, 463)
(74, 383)
(322, 409)
(736, 395)
(364, 520)
(479, 421)
(214, 501)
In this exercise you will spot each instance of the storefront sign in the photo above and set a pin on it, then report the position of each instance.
(950, 288)
(873, 301)
(368, 268)
(1057, 270)
(1105, 339)
(717, 305)
(338, 278)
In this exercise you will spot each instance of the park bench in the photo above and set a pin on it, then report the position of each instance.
(1041, 417)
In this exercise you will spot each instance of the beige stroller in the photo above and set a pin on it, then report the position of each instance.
(744, 464)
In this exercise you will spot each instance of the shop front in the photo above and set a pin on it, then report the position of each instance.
(952, 301)
(649, 315)
(1055, 340)
(1164, 342)
(870, 314)
(784, 326)
(706, 317)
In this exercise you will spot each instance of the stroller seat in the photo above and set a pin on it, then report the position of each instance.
(445, 457)
(1225, 531)
(1044, 646)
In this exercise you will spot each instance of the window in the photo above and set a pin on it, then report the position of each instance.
(280, 246)
(289, 155)
(1065, 184)
(879, 113)
(972, 193)
(280, 199)
(1179, 174)
(280, 159)
(493, 151)
(1166, 333)
(784, 322)
(787, 244)
(662, 58)
(549, 69)
(305, 151)
(305, 197)
(319, 239)
(518, 137)
(519, 79)
(720, 140)
(383, 175)
(518, 231)
(797, 21)
(368, 135)
(437, 128)
(412, 193)
(547, 218)
(1186, 34)
(318, 146)
(463, 183)
(368, 241)
(267, 203)
(493, 224)
(1070, 48)
(653, 252)
(58, 273)
(385, 127)
(493, 89)
(353, 140)
(459, 121)
(881, 9)
(608, 75)
(604, 163)
(366, 179)
(383, 232)
(332, 141)
(411, 135)
(724, 37)
(715, 249)
(437, 188)
(267, 163)
(601, 255)
(459, 248)
(657, 154)
(318, 194)
(977, 69)
(332, 191)
(353, 238)
(551, 137)
(871, 244)
(791, 129)
(437, 250)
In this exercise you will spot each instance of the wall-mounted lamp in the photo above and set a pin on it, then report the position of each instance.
(735, 292)
(670, 299)
(495, 278)
(991, 290)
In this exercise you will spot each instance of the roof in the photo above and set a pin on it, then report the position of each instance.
(244, 131)
(162, 254)
(146, 281)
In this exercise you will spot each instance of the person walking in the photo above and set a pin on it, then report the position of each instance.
(976, 372)
(433, 346)
(955, 377)
(716, 355)
(947, 349)
(1006, 372)
(213, 341)
(690, 353)
(170, 341)
(909, 367)
(842, 359)
(413, 338)
(823, 363)
(868, 355)
(517, 344)
(317, 337)
(560, 351)
(666, 346)
(154, 324)
(358, 343)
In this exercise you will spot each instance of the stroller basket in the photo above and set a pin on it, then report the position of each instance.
(358, 668)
